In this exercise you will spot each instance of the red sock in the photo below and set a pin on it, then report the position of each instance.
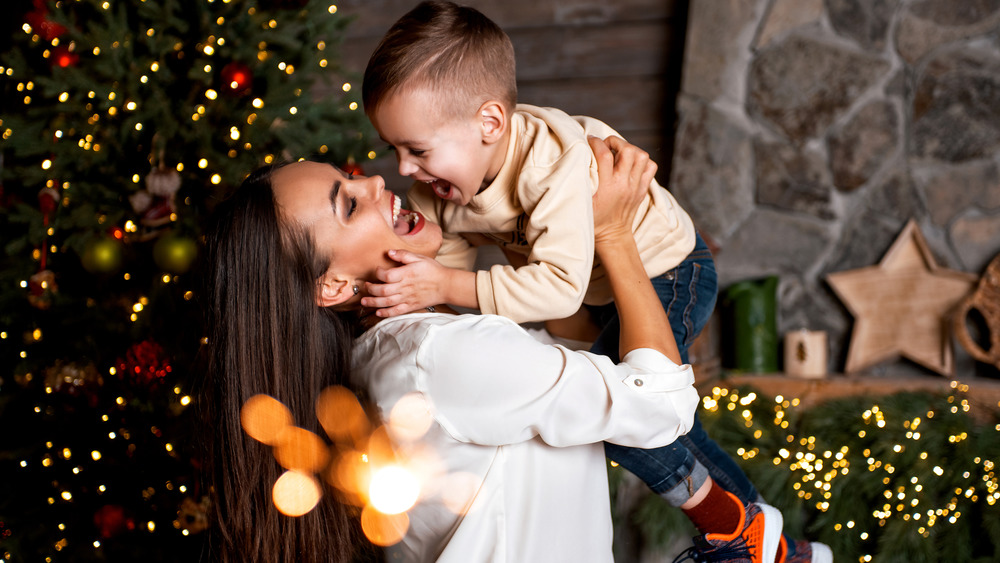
(718, 513)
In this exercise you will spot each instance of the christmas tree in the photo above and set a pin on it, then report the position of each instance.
(122, 122)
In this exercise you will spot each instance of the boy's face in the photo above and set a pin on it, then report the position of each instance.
(449, 153)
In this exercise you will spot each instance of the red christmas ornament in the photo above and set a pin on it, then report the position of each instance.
(63, 57)
(48, 200)
(42, 288)
(236, 77)
(38, 20)
(352, 168)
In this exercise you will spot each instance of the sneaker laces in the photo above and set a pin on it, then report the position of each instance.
(734, 550)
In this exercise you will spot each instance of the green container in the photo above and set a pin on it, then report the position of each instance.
(752, 313)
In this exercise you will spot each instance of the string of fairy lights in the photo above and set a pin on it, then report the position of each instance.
(66, 55)
(818, 466)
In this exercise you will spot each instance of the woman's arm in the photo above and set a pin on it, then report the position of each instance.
(644, 323)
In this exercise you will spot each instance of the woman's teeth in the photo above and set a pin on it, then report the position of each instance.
(397, 205)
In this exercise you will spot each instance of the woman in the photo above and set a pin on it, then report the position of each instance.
(288, 255)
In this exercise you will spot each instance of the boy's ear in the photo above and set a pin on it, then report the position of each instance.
(493, 119)
(333, 290)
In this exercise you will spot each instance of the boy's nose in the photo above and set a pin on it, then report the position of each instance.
(407, 168)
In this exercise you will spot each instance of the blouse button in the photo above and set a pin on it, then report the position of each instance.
(638, 383)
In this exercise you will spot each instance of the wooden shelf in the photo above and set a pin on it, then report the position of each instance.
(982, 394)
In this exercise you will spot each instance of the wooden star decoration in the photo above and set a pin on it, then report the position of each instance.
(901, 306)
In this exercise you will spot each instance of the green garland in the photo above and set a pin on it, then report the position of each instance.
(909, 477)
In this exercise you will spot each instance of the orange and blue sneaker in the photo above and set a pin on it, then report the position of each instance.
(801, 551)
(756, 539)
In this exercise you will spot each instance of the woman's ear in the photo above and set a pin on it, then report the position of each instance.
(493, 120)
(333, 290)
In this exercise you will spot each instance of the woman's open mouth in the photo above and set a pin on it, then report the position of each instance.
(404, 221)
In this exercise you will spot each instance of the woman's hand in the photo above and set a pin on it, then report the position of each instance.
(625, 173)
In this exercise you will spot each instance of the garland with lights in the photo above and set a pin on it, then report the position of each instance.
(122, 122)
(909, 477)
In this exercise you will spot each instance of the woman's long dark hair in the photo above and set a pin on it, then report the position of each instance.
(266, 334)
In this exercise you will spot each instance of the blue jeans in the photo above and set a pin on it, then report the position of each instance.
(688, 294)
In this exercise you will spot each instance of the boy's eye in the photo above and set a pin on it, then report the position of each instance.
(354, 205)
(416, 152)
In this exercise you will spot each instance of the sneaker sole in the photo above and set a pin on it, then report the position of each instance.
(821, 553)
(773, 523)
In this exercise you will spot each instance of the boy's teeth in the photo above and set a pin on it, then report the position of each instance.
(397, 204)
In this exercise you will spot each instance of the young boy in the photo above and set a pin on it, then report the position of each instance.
(440, 89)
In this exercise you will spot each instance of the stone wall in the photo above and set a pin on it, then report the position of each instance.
(810, 131)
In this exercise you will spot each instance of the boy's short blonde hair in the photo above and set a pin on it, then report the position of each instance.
(455, 51)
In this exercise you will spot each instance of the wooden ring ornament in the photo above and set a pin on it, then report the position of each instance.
(986, 300)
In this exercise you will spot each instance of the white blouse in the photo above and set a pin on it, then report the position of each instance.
(515, 431)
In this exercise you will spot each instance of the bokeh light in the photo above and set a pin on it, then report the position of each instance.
(301, 450)
(264, 418)
(383, 529)
(410, 418)
(296, 493)
(393, 489)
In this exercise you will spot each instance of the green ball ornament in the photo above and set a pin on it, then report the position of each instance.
(103, 255)
(175, 253)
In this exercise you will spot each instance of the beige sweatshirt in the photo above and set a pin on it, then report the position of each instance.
(539, 206)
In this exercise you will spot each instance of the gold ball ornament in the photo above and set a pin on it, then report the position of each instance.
(103, 255)
(175, 253)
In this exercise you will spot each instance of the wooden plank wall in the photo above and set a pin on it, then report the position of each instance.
(616, 60)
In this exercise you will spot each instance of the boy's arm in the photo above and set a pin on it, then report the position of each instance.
(418, 282)
(421, 282)
(556, 198)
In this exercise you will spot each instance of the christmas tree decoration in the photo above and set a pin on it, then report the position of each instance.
(42, 289)
(157, 204)
(983, 303)
(120, 128)
(39, 22)
(901, 306)
(352, 168)
(71, 376)
(175, 253)
(111, 520)
(236, 77)
(145, 364)
(103, 255)
(63, 57)
(192, 516)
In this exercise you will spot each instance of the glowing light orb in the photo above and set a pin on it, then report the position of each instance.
(295, 493)
(341, 415)
(393, 490)
(410, 417)
(383, 529)
(301, 450)
(264, 418)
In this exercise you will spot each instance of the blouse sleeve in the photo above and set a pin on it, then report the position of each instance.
(491, 383)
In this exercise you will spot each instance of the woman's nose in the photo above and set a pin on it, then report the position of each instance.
(375, 186)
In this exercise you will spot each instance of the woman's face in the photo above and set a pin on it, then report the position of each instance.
(353, 218)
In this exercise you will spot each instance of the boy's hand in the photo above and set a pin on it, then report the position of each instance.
(417, 284)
